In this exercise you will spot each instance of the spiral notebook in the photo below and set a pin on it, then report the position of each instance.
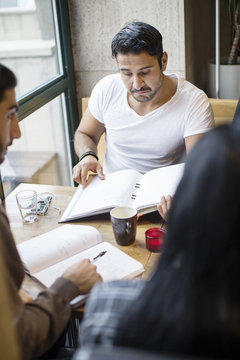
(124, 188)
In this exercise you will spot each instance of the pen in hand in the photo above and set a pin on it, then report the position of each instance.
(98, 256)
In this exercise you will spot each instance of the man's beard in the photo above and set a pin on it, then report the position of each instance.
(145, 98)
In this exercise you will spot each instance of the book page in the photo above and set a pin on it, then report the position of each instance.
(157, 183)
(63, 242)
(114, 191)
(113, 265)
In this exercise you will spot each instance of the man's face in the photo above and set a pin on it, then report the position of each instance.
(9, 128)
(141, 74)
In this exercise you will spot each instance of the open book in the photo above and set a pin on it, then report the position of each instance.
(47, 256)
(124, 188)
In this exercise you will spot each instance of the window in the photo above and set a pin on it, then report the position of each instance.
(36, 45)
(28, 44)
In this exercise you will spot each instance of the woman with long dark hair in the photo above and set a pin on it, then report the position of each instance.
(191, 305)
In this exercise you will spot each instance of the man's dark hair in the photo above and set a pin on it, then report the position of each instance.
(7, 80)
(136, 37)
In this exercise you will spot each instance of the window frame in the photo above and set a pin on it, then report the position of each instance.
(63, 83)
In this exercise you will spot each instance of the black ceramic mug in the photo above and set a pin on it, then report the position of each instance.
(124, 224)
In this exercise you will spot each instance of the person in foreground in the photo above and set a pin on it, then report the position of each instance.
(150, 118)
(190, 306)
(39, 323)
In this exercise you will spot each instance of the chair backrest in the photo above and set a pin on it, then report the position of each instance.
(236, 118)
(101, 144)
(223, 110)
(84, 104)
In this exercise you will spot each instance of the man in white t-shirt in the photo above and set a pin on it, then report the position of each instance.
(149, 118)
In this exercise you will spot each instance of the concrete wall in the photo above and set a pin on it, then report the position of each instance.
(95, 22)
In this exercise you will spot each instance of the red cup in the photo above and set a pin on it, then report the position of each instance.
(155, 239)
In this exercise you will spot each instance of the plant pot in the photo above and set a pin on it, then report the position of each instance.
(229, 82)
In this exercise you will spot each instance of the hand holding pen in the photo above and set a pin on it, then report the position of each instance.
(83, 274)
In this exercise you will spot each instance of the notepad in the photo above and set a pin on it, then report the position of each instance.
(47, 256)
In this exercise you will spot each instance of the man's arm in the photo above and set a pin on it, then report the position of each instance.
(190, 141)
(86, 138)
(39, 323)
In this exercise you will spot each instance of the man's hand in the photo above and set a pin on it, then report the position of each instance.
(25, 296)
(80, 171)
(164, 206)
(84, 275)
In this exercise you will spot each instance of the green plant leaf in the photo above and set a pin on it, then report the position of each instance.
(232, 6)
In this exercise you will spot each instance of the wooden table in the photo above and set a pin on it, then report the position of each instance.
(61, 198)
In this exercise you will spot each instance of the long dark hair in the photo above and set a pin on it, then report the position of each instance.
(192, 303)
(7, 80)
(136, 37)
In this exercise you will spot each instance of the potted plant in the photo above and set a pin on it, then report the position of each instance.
(229, 69)
(234, 10)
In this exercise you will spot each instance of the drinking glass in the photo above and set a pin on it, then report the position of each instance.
(27, 204)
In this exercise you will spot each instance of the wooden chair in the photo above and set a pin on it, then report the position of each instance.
(223, 110)
(84, 104)
(236, 118)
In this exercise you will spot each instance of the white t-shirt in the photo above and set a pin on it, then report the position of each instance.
(154, 140)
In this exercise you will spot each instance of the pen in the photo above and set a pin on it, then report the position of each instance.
(99, 255)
